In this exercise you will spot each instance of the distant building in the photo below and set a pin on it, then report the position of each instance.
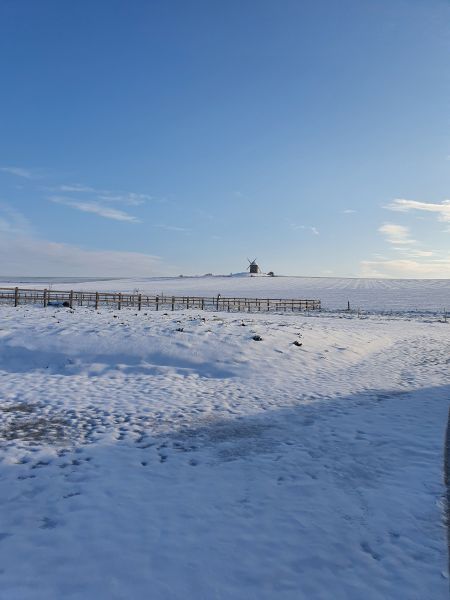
(253, 267)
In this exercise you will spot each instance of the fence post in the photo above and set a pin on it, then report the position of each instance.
(96, 300)
(157, 302)
(71, 299)
(16, 296)
(119, 302)
(173, 303)
(203, 304)
(45, 298)
(217, 304)
(187, 302)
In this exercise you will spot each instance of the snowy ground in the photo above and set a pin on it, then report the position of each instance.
(173, 457)
(430, 295)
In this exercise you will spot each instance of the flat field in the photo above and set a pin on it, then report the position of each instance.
(175, 457)
(399, 295)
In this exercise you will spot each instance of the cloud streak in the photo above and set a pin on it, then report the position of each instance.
(24, 254)
(409, 268)
(18, 171)
(129, 198)
(396, 234)
(413, 262)
(174, 228)
(13, 222)
(30, 256)
(442, 209)
(310, 228)
(95, 208)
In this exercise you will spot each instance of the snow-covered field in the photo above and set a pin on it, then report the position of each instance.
(430, 295)
(173, 457)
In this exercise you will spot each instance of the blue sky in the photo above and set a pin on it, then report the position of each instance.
(165, 137)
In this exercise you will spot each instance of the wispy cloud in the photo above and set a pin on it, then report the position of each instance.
(349, 211)
(23, 253)
(436, 269)
(19, 171)
(396, 234)
(128, 198)
(78, 188)
(96, 208)
(95, 201)
(174, 228)
(411, 261)
(415, 253)
(310, 228)
(30, 256)
(442, 209)
(12, 222)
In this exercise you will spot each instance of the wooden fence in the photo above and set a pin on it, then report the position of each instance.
(71, 299)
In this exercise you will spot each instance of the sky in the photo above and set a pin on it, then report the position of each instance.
(181, 137)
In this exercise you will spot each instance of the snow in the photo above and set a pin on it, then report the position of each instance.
(430, 295)
(171, 456)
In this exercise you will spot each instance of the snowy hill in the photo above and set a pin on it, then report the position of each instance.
(367, 294)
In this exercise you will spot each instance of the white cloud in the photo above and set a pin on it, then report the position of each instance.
(173, 228)
(442, 209)
(407, 268)
(19, 171)
(13, 222)
(24, 255)
(414, 253)
(95, 208)
(129, 198)
(78, 188)
(310, 228)
(349, 211)
(412, 260)
(396, 234)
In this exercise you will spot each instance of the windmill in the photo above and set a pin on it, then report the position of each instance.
(253, 267)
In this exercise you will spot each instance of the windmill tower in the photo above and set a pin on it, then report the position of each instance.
(253, 267)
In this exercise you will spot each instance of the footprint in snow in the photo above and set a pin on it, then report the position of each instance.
(41, 463)
(48, 523)
(365, 547)
(72, 494)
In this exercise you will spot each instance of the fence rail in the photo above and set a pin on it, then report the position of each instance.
(118, 300)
